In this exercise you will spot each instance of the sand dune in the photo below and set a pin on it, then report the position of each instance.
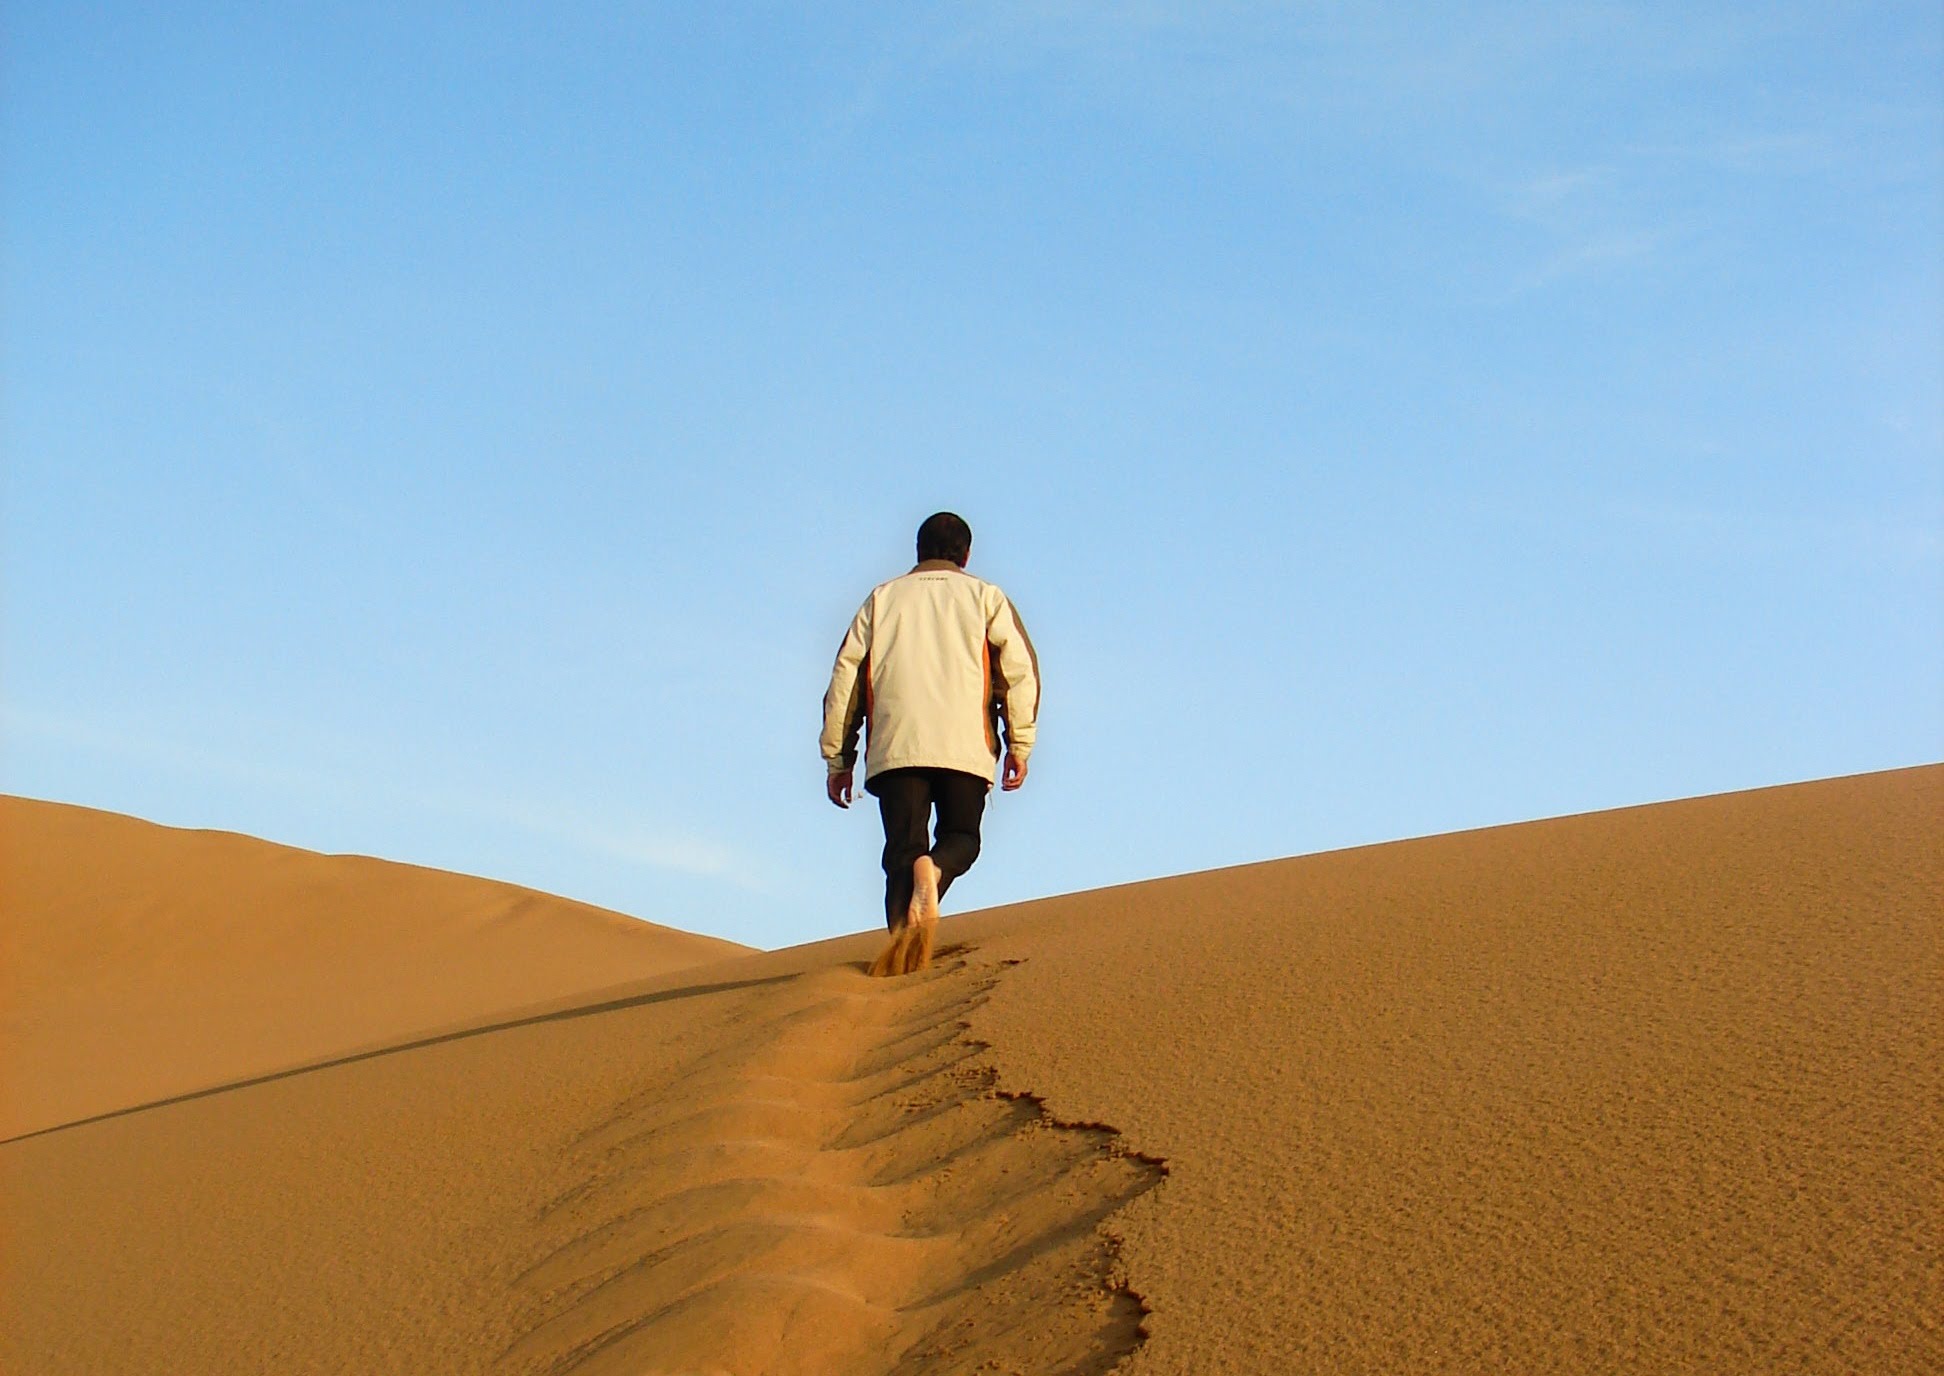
(143, 961)
(1657, 1089)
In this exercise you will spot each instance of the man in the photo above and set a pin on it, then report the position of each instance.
(935, 667)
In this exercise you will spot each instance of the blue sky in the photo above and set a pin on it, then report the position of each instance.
(462, 433)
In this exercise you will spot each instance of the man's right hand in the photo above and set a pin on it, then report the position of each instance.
(1015, 774)
(838, 786)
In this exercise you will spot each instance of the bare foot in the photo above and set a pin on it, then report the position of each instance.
(924, 914)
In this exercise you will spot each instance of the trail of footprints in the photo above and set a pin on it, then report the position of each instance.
(838, 1189)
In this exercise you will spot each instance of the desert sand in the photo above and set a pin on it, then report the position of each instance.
(1658, 1089)
(139, 962)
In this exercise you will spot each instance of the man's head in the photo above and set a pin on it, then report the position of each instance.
(945, 536)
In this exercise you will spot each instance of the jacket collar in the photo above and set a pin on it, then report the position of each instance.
(935, 565)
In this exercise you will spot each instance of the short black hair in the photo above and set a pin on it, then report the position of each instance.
(945, 536)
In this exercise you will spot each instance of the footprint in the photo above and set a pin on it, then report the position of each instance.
(840, 1188)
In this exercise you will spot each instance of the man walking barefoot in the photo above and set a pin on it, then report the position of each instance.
(935, 668)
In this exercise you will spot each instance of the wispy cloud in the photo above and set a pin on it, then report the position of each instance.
(1720, 173)
(1411, 60)
(636, 841)
(1601, 251)
(633, 841)
(115, 741)
(1773, 153)
(1585, 221)
(1549, 193)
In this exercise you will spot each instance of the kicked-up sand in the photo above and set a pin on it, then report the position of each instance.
(1659, 1089)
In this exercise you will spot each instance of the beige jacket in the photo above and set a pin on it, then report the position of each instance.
(935, 665)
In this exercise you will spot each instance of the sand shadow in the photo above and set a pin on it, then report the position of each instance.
(418, 1043)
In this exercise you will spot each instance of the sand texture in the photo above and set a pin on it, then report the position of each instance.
(138, 962)
(1652, 1090)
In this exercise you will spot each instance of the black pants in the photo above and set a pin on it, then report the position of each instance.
(906, 798)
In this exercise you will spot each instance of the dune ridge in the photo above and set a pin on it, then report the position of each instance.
(1655, 1089)
(139, 962)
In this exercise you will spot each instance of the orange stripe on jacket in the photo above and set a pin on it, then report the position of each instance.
(985, 677)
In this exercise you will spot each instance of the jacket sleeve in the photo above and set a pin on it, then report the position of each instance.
(1016, 671)
(848, 696)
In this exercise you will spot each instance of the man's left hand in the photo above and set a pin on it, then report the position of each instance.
(838, 786)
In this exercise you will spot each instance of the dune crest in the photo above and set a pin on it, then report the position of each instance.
(139, 962)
